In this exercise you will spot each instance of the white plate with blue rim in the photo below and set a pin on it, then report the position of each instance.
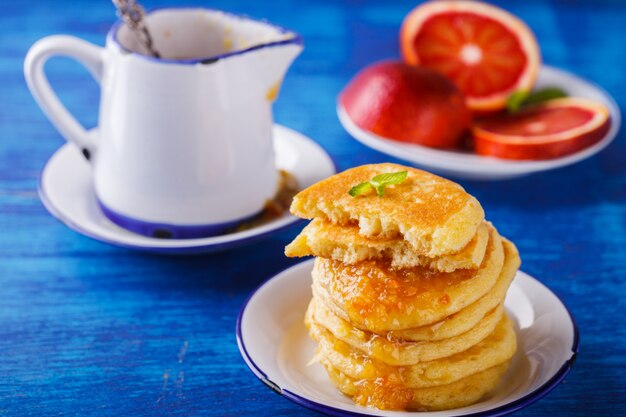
(275, 345)
(66, 190)
(467, 165)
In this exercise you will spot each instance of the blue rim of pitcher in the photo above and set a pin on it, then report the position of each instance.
(296, 39)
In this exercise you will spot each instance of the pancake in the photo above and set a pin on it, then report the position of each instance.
(495, 349)
(398, 352)
(468, 317)
(387, 394)
(434, 215)
(372, 295)
(345, 244)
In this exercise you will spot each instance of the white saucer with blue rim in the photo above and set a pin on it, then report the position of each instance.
(66, 189)
(275, 345)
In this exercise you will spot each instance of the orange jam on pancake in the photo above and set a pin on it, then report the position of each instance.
(377, 384)
(382, 393)
(371, 286)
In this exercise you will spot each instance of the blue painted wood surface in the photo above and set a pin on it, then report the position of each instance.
(90, 329)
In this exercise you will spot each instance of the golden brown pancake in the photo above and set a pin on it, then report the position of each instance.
(408, 289)
(434, 215)
(495, 349)
(468, 317)
(387, 394)
(373, 295)
(345, 244)
(398, 352)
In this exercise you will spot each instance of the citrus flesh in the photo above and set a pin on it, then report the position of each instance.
(545, 131)
(487, 52)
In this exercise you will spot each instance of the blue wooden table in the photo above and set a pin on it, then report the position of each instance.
(90, 329)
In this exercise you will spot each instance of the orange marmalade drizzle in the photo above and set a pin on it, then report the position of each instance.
(382, 393)
(372, 288)
(377, 384)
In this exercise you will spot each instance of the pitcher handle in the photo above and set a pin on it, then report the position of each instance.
(89, 55)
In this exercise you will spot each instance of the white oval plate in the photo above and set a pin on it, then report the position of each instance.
(66, 190)
(275, 345)
(471, 166)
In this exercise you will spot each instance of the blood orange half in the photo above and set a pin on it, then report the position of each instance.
(487, 52)
(545, 131)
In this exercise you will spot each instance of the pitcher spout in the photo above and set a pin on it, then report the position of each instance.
(273, 65)
(250, 52)
(265, 50)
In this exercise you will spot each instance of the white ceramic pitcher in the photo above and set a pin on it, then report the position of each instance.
(183, 147)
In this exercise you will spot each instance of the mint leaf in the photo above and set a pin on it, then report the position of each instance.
(360, 189)
(379, 182)
(389, 178)
(545, 94)
(520, 99)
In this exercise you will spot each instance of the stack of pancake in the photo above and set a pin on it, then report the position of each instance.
(408, 290)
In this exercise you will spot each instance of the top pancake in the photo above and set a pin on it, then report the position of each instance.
(434, 215)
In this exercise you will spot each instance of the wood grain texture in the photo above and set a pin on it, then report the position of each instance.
(89, 329)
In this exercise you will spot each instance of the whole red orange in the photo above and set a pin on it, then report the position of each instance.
(407, 103)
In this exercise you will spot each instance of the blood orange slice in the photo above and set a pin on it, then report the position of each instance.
(487, 52)
(545, 131)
